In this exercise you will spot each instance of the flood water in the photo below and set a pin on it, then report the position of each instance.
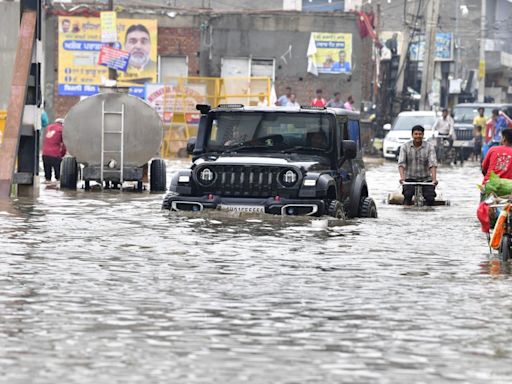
(103, 287)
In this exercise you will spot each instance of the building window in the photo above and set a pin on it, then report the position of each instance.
(323, 5)
(235, 67)
(263, 68)
(173, 66)
(247, 67)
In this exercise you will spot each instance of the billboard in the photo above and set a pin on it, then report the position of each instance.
(332, 52)
(171, 99)
(80, 45)
(444, 47)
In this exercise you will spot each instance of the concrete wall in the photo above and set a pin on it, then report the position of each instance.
(500, 29)
(10, 22)
(259, 35)
(271, 35)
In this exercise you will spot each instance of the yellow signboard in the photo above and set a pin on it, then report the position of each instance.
(79, 47)
(108, 27)
(481, 69)
(333, 53)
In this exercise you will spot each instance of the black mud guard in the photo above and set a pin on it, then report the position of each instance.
(355, 195)
(174, 187)
(323, 184)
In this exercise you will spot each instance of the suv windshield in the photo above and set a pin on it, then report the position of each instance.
(269, 131)
(465, 115)
(405, 123)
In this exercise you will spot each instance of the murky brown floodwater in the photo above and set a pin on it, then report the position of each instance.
(105, 288)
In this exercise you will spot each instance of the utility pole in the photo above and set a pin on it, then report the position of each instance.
(457, 40)
(481, 66)
(430, 52)
(406, 37)
(112, 73)
(377, 65)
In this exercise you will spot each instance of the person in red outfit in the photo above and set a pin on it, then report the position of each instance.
(499, 158)
(318, 101)
(53, 150)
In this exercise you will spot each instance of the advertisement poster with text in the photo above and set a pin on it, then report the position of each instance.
(333, 52)
(443, 50)
(80, 45)
(169, 100)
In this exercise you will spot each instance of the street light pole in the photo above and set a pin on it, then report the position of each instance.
(457, 40)
(408, 27)
(481, 66)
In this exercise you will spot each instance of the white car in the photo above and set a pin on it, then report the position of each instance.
(400, 131)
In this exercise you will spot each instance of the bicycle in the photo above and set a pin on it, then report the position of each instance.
(419, 200)
(447, 153)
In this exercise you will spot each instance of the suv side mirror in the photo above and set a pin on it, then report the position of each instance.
(191, 144)
(387, 127)
(349, 149)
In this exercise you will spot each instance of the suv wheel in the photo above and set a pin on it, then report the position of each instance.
(166, 204)
(335, 210)
(368, 208)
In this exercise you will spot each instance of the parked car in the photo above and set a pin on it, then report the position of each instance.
(275, 160)
(400, 131)
(463, 117)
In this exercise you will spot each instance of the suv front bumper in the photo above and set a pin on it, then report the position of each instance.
(270, 205)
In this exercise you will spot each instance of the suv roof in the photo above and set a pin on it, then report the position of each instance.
(488, 105)
(302, 109)
(418, 113)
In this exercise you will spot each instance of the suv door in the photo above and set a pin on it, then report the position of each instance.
(344, 170)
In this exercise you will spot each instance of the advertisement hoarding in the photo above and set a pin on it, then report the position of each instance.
(79, 73)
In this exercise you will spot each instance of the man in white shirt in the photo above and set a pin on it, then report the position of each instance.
(283, 100)
(445, 125)
(292, 101)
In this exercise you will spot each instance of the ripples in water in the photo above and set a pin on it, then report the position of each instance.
(105, 287)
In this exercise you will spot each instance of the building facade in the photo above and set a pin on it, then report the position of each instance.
(208, 43)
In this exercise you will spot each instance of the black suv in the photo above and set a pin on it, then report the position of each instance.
(463, 115)
(275, 160)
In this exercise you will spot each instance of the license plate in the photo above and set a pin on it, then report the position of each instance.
(462, 143)
(242, 208)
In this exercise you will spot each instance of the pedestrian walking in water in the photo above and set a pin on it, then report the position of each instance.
(349, 104)
(283, 100)
(318, 101)
(292, 102)
(336, 101)
(53, 150)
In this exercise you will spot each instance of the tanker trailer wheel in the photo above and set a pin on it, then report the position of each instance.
(68, 173)
(158, 179)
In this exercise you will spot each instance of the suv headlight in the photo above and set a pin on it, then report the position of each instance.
(289, 177)
(206, 176)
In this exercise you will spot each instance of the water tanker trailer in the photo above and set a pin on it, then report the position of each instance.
(111, 137)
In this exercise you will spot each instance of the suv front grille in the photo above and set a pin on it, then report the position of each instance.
(247, 181)
(464, 134)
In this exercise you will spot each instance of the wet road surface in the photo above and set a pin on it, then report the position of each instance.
(103, 287)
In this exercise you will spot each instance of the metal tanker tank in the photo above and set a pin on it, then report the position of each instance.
(112, 135)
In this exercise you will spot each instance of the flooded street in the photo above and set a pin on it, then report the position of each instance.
(107, 288)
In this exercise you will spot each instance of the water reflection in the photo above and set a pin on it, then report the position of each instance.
(105, 287)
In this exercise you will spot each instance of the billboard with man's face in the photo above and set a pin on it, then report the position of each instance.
(79, 47)
(333, 53)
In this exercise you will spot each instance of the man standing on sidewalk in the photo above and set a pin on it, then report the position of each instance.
(53, 150)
